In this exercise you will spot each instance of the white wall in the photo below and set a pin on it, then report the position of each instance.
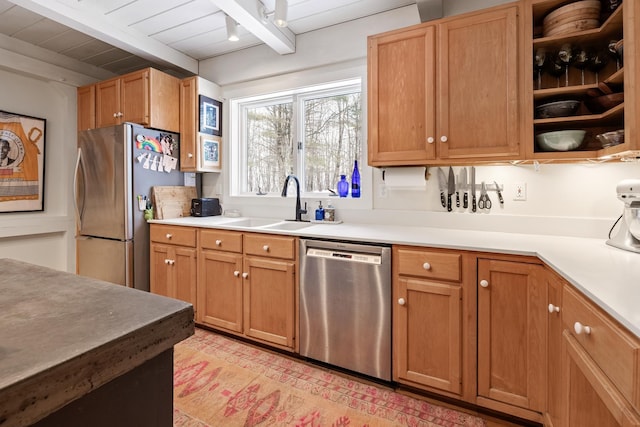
(44, 238)
(575, 199)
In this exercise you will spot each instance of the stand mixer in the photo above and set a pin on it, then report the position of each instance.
(628, 236)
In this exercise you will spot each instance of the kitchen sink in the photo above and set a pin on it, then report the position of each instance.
(253, 222)
(288, 225)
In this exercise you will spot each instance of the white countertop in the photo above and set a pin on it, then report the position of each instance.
(607, 275)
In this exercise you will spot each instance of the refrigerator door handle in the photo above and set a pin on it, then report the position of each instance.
(75, 188)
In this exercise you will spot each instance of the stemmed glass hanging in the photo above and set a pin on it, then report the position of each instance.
(598, 59)
(581, 61)
(565, 57)
(555, 68)
(539, 60)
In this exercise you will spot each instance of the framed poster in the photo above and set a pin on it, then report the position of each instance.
(210, 116)
(210, 153)
(22, 140)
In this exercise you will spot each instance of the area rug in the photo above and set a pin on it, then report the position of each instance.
(219, 381)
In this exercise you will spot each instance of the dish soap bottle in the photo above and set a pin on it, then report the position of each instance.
(355, 181)
(343, 186)
(320, 212)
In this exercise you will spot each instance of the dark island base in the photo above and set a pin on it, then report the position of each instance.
(141, 397)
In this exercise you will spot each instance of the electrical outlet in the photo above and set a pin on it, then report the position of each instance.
(520, 191)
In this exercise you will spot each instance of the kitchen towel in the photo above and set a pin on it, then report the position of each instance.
(405, 178)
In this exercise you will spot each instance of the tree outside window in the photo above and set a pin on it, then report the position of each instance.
(314, 134)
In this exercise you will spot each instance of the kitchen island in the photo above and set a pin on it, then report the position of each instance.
(76, 351)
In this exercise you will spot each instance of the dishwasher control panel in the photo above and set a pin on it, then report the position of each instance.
(347, 256)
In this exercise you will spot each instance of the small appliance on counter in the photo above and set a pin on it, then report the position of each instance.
(628, 237)
(204, 206)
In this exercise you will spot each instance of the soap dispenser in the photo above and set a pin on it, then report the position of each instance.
(329, 212)
(320, 212)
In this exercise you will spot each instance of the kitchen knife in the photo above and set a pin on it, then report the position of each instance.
(473, 189)
(451, 188)
(462, 183)
(442, 183)
(500, 199)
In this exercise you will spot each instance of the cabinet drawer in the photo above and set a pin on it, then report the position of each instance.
(174, 235)
(613, 349)
(270, 246)
(430, 264)
(221, 240)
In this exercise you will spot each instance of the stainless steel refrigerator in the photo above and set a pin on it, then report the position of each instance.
(115, 170)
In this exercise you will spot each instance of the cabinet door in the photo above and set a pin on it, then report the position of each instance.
(269, 300)
(184, 274)
(134, 101)
(554, 352)
(478, 89)
(86, 107)
(512, 333)
(590, 398)
(108, 110)
(220, 290)
(188, 123)
(401, 97)
(160, 273)
(427, 334)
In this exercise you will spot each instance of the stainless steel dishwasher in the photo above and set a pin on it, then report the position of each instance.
(345, 305)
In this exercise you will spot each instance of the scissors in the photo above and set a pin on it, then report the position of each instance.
(484, 202)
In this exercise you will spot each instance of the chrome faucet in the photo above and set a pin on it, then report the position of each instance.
(299, 211)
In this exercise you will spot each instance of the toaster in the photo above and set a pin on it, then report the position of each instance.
(204, 206)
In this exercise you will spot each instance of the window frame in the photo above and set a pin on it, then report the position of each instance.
(238, 116)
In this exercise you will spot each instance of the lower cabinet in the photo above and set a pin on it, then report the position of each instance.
(173, 262)
(512, 336)
(601, 367)
(428, 319)
(247, 285)
(555, 407)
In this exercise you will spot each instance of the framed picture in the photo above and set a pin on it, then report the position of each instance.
(210, 116)
(21, 162)
(210, 153)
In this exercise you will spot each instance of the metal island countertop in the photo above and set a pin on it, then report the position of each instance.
(63, 337)
(609, 276)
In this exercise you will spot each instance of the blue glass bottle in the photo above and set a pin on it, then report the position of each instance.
(343, 186)
(355, 181)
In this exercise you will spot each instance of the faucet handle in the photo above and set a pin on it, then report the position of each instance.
(304, 211)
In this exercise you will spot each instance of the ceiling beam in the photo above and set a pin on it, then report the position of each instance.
(89, 21)
(247, 14)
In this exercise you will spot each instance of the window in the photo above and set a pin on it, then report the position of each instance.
(314, 133)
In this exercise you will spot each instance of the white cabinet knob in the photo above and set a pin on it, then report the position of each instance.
(426, 266)
(169, 236)
(265, 248)
(115, 114)
(218, 242)
(169, 261)
(430, 140)
(189, 155)
(484, 283)
(579, 328)
(554, 308)
(236, 273)
(443, 138)
(120, 114)
(245, 275)
(401, 301)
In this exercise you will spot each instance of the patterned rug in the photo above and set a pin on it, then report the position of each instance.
(222, 382)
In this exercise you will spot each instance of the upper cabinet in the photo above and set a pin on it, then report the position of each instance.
(200, 151)
(148, 97)
(582, 57)
(447, 91)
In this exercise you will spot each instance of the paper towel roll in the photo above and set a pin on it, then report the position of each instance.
(407, 178)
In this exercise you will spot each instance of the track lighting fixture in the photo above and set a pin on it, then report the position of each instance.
(279, 14)
(232, 29)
